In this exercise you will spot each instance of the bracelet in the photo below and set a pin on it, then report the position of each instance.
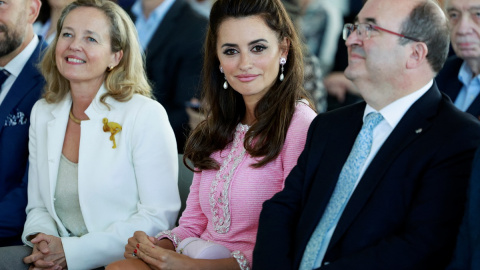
(169, 235)
(241, 260)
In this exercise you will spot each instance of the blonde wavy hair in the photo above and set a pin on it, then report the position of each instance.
(126, 79)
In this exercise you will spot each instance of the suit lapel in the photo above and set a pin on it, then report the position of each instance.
(474, 108)
(449, 82)
(56, 129)
(454, 86)
(326, 169)
(28, 79)
(163, 32)
(451, 85)
(415, 122)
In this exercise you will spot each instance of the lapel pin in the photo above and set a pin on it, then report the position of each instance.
(113, 128)
(418, 131)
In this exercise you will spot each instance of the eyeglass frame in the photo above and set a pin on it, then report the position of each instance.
(369, 28)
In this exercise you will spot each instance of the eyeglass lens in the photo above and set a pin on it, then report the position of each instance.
(362, 30)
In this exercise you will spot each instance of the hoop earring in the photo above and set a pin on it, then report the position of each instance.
(225, 84)
(283, 61)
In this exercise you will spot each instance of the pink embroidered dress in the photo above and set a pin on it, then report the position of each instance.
(224, 206)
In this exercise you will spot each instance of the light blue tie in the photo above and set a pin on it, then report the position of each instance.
(345, 184)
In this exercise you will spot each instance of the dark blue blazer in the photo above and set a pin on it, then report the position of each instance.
(467, 253)
(14, 124)
(447, 81)
(405, 211)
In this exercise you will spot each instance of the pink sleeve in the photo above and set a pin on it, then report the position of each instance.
(193, 221)
(296, 137)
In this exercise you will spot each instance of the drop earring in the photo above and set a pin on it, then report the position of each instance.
(225, 84)
(283, 61)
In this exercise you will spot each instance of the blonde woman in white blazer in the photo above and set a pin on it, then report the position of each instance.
(96, 125)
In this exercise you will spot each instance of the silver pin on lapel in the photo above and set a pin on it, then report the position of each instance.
(418, 131)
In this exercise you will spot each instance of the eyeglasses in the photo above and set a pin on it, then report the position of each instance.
(364, 31)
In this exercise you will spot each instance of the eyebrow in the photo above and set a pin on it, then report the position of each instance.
(473, 8)
(452, 9)
(250, 43)
(89, 32)
(367, 20)
(93, 33)
(67, 28)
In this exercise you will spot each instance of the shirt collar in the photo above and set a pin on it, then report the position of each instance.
(394, 111)
(161, 9)
(137, 9)
(15, 66)
(465, 74)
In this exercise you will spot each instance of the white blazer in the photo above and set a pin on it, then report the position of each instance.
(122, 190)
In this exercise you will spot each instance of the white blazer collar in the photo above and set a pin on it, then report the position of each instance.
(57, 127)
(97, 108)
(93, 111)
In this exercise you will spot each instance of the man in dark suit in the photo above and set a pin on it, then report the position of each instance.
(459, 78)
(172, 35)
(20, 51)
(389, 194)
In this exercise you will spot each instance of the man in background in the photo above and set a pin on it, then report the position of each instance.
(460, 77)
(21, 86)
(172, 35)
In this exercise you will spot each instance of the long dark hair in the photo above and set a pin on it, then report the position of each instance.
(226, 108)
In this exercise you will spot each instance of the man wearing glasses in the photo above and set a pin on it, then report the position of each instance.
(460, 77)
(380, 184)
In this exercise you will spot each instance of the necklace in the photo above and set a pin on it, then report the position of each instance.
(74, 119)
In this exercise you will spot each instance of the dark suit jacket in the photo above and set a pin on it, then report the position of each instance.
(174, 62)
(467, 253)
(405, 211)
(447, 81)
(14, 124)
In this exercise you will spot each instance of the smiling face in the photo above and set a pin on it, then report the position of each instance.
(464, 19)
(249, 53)
(83, 50)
